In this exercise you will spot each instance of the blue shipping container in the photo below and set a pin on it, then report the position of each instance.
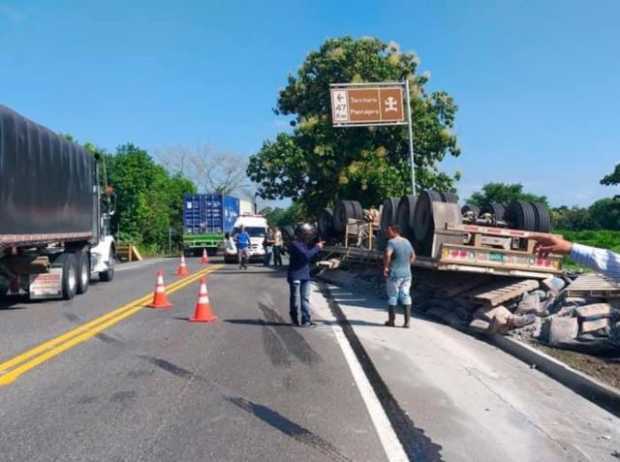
(209, 213)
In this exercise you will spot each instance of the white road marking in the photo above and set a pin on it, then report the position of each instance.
(391, 445)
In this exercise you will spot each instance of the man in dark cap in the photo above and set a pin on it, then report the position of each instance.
(301, 251)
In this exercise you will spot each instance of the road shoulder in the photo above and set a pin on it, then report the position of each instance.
(468, 394)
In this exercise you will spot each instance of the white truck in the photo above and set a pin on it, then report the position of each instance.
(256, 226)
(55, 220)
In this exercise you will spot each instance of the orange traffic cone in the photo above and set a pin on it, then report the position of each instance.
(203, 312)
(182, 269)
(160, 299)
(205, 257)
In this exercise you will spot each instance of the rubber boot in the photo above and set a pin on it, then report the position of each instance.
(407, 313)
(391, 317)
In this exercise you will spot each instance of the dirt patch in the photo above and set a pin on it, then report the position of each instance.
(604, 368)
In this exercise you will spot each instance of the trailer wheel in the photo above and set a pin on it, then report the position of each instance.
(424, 214)
(344, 211)
(326, 223)
(82, 266)
(66, 261)
(450, 197)
(496, 209)
(405, 215)
(470, 209)
(521, 215)
(388, 212)
(542, 217)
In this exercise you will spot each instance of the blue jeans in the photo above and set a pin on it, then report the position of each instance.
(300, 297)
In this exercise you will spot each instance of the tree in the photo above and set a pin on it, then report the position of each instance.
(149, 201)
(573, 218)
(284, 217)
(212, 171)
(503, 193)
(606, 214)
(317, 163)
(613, 178)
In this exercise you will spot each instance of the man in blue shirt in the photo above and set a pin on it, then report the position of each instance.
(397, 260)
(243, 246)
(301, 253)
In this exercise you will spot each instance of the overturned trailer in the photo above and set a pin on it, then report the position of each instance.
(496, 240)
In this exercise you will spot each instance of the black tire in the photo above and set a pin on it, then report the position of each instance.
(66, 261)
(475, 211)
(496, 209)
(326, 223)
(343, 212)
(388, 212)
(82, 266)
(423, 215)
(521, 216)
(542, 217)
(450, 197)
(405, 215)
(358, 211)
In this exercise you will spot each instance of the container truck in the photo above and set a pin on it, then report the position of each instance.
(54, 214)
(206, 218)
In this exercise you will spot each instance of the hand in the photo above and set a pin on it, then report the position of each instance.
(386, 272)
(552, 244)
(320, 244)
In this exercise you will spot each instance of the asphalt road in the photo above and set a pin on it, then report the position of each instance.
(151, 386)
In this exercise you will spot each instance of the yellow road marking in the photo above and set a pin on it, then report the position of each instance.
(53, 347)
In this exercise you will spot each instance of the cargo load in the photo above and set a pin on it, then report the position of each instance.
(46, 184)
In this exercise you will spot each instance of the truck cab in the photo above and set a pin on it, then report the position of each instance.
(256, 226)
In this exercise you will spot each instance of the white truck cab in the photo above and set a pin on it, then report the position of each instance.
(256, 226)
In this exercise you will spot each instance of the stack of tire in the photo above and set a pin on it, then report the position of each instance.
(528, 216)
(413, 215)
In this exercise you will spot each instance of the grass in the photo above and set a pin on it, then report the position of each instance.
(603, 238)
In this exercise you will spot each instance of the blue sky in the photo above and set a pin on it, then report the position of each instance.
(537, 83)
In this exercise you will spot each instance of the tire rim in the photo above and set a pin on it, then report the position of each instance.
(71, 280)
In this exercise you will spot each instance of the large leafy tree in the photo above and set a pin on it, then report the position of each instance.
(503, 193)
(317, 163)
(149, 199)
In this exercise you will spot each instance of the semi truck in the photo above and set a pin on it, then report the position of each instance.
(54, 213)
(206, 219)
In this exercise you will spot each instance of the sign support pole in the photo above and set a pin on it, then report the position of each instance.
(410, 136)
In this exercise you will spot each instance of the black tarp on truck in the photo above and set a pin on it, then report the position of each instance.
(47, 184)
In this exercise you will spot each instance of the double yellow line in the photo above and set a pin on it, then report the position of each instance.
(13, 368)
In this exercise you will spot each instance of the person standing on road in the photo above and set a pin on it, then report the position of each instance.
(243, 246)
(397, 260)
(230, 248)
(301, 252)
(277, 248)
(268, 245)
(603, 261)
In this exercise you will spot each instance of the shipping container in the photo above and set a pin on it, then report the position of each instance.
(206, 218)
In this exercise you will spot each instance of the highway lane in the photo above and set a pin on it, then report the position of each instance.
(156, 387)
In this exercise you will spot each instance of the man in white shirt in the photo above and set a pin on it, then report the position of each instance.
(603, 261)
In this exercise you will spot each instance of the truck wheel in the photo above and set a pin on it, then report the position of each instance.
(82, 265)
(66, 261)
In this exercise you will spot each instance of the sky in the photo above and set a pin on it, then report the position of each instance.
(537, 82)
